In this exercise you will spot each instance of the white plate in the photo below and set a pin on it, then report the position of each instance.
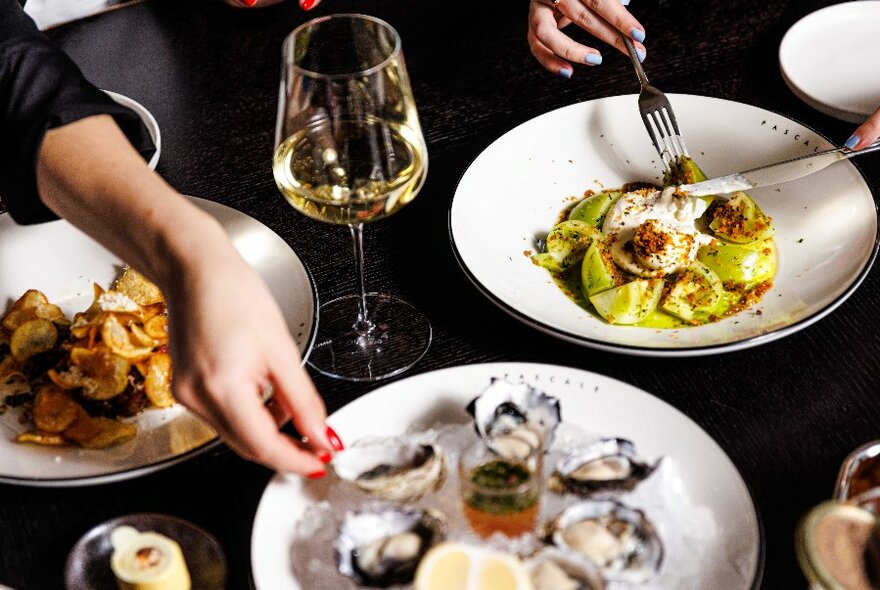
(826, 223)
(149, 122)
(831, 59)
(733, 559)
(63, 263)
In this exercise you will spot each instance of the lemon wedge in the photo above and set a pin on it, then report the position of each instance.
(458, 566)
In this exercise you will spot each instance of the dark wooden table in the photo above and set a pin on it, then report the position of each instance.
(787, 412)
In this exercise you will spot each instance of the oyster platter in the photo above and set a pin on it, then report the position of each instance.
(605, 515)
(561, 477)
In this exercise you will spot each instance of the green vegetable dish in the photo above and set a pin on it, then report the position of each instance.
(646, 256)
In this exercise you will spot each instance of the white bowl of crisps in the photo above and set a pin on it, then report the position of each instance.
(85, 373)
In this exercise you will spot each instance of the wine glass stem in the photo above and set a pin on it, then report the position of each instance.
(363, 325)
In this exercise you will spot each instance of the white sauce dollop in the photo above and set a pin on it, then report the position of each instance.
(672, 214)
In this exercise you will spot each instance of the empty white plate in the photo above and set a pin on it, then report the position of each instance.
(831, 59)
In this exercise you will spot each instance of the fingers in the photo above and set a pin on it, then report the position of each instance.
(234, 408)
(866, 134)
(551, 47)
(300, 399)
(614, 14)
(254, 434)
(548, 59)
(556, 51)
(600, 24)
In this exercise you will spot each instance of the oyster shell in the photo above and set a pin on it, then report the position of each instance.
(553, 569)
(619, 539)
(515, 419)
(381, 545)
(610, 464)
(394, 469)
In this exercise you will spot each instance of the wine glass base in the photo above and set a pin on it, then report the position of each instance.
(399, 337)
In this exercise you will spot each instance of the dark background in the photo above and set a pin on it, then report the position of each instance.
(786, 412)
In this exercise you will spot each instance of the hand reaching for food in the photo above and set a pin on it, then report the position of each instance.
(229, 342)
(227, 337)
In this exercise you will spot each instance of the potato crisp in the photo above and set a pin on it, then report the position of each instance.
(79, 380)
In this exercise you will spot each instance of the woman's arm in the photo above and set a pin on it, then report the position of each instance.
(228, 338)
(67, 149)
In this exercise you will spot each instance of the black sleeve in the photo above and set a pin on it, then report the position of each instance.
(41, 88)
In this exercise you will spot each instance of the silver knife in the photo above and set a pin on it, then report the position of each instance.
(773, 173)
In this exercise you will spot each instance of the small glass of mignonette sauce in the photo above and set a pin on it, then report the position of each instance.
(500, 494)
(838, 541)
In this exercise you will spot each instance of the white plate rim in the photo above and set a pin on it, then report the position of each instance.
(665, 352)
(148, 119)
(836, 111)
(495, 368)
(134, 472)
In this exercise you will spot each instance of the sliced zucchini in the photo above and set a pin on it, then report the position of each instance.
(743, 264)
(683, 170)
(697, 293)
(629, 303)
(598, 272)
(592, 210)
(740, 220)
(566, 244)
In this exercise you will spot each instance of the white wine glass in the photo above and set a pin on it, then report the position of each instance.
(349, 150)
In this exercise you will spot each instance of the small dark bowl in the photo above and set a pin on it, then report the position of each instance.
(88, 565)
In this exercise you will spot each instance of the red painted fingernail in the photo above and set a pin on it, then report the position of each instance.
(317, 475)
(307, 4)
(248, 2)
(325, 457)
(334, 439)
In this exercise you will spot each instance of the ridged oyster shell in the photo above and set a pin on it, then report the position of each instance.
(381, 545)
(618, 539)
(610, 464)
(396, 469)
(554, 569)
(515, 419)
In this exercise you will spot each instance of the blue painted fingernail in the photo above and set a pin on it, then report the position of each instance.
(638, 34)
(593, 58)
(565, 72)
(624, 2)
(852, 141)
(641, 53)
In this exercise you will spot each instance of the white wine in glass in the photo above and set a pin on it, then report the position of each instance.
(349, 151)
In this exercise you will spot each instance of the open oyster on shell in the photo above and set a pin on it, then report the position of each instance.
(611, 464)
(396, 469)
(382, 545)
(618, 539)
(515, 419)
(554, 569)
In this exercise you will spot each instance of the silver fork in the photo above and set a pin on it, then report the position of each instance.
(657, 114)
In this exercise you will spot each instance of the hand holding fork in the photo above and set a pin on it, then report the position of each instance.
(602, 18)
